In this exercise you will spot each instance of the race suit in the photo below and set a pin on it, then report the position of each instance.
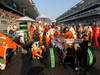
(96, 31)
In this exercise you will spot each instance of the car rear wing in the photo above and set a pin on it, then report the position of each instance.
(73, 41)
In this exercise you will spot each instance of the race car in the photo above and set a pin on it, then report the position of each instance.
(78, 53)
(7, 49)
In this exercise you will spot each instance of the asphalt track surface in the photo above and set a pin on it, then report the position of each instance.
(23, 65)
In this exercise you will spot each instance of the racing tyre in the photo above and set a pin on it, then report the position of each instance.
(9, 55)
(52, 58)
(91, 59)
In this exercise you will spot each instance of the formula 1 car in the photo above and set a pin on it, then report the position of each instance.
(78, 53)
(7, 49)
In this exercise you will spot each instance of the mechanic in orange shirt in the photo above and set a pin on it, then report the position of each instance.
(96, 34)
(31, 30)
(47, 38)
(36, 51)
(68, 34)
(41, 37)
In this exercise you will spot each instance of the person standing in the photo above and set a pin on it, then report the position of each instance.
(96, 31)
(31, 30)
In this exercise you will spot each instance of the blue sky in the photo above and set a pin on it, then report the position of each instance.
(54, 8)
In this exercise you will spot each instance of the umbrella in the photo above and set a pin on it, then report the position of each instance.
(25, 19)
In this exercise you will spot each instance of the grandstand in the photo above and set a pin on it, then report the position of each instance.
(85, 12)
(10, 10)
